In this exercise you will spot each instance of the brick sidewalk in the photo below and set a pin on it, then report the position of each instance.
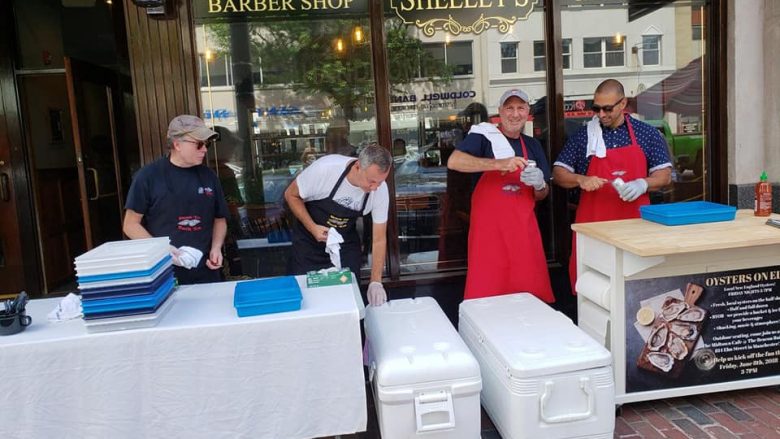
(742, 414)
(739, 414)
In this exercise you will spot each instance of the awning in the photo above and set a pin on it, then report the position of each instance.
(681, 92)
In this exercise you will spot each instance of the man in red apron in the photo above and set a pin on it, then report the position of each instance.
(505, 253)
(613, 145)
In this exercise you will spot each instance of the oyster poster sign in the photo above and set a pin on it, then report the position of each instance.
(462, 16)
(702, 328)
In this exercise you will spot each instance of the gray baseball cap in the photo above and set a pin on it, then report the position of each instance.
(516, 92)
(191, 125)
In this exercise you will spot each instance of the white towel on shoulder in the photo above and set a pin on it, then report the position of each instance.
(501, 147)
(596, 144)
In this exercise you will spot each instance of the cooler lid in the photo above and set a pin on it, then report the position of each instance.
(529, 338)
(413, 342)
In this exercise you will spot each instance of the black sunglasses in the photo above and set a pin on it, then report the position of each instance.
(607, 108)
(199, 143)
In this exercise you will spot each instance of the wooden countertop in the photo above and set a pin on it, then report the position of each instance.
(646, 238)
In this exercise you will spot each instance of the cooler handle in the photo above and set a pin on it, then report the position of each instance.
(427, 403)
(548, 387)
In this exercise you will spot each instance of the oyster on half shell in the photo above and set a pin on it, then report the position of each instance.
(692, 314)
(657, 338)
(661, 360)
(676, 347)
(672, 308)
(686, 331)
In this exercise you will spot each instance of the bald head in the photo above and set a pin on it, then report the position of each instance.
(611, 86)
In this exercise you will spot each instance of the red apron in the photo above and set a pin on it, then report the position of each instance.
(505, 253)
(605, 204)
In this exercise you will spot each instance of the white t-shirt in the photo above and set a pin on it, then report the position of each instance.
(318, 179)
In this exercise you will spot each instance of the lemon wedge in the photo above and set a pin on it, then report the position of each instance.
(645, 316)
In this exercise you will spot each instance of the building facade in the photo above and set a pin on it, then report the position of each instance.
(88, 87)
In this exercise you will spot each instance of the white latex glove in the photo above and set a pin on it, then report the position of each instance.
(533, 176)
(633, 189)
(376, 294)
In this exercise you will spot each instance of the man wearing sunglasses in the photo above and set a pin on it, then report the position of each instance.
(613, 148)
(179, 197)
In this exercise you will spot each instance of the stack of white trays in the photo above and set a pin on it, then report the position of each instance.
(126, 284)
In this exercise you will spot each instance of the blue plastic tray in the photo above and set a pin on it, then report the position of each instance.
(266, 296)
(126, 290)
(147, 301)
(690, 212)
(129, 312)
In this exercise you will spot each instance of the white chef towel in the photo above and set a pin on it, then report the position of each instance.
(187, 257)
(596, 144)
(68, 308)
(498, 142)
(333, 247)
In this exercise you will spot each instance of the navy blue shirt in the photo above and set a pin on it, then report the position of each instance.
(478, 145)
(180, 203)
(653, 144)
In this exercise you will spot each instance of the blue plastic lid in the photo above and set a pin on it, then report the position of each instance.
(266, 290)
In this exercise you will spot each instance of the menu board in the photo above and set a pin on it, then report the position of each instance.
(702, 328)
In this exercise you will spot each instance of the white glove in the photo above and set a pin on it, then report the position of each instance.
(533, 176)
(186, 257)
(376, 294)
(633, 189)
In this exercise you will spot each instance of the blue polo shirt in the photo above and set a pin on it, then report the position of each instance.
(653, 144)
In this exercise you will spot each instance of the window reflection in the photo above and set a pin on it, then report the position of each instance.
(281, 94)
(658, 57)
(431, 115)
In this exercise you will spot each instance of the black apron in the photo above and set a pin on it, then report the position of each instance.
(184, 206)
(308, 254)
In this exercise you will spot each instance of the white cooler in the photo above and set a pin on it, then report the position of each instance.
(543, 377)
(425, 380)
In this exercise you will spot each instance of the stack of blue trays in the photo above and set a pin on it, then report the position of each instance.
(125, 284)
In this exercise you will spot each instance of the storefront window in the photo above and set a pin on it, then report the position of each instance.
(430, 117)
(659, 62)
(281, 94)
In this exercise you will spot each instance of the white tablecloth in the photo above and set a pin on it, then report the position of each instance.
(202, 372)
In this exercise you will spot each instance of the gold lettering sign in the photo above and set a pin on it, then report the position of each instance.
(217, 10)
(462, 16)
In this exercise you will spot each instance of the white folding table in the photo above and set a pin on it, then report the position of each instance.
(201, 372)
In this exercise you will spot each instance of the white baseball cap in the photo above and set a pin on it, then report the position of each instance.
(516, 92)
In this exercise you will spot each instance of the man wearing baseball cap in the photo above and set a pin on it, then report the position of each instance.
(179, 197)
(505, 252)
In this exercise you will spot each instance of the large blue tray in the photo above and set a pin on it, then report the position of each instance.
(126, 290)
(266, 296)
(148, 301)
(690, 212)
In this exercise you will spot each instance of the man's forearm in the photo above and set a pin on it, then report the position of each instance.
(565, 178)
(378, 254)
(219, 233)
(659, 179)
(298, 208)
(540, 195)
(462, 162)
